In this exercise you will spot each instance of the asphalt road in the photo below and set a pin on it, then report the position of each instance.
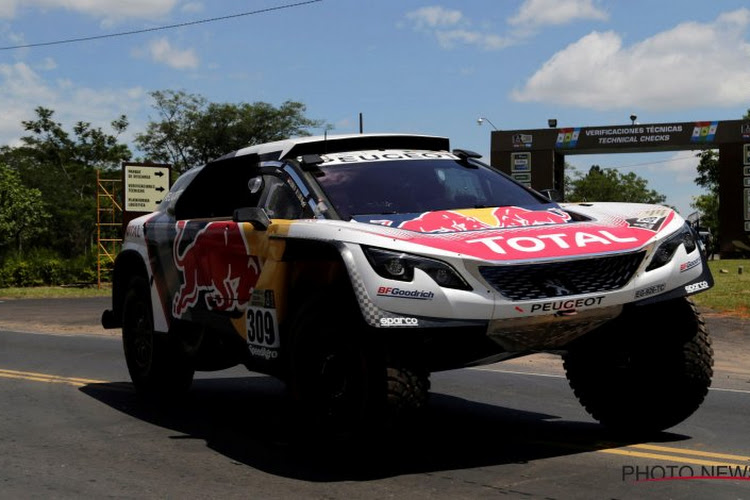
(71, 426)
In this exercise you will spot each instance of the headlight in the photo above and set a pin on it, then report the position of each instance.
(666, 250)
(400, 266)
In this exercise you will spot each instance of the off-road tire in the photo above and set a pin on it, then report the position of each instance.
(338, 374)
(407, 391)
(635, 376)
(157, 366)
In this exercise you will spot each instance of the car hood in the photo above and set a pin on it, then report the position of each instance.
(517, 233)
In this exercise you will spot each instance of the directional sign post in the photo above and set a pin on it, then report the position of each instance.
(145, 186)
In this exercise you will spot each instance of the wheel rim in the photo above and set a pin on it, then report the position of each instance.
(140, 336)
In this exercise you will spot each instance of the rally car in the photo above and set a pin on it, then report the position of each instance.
(353, 266)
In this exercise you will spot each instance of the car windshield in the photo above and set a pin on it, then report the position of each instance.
(415, 186)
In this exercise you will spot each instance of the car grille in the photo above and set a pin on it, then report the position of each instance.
(558, 279)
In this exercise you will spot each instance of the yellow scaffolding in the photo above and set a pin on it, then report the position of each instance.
(108, 224)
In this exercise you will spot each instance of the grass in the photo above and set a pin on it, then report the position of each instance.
(55, 292)
(731, 291)
(730, 294)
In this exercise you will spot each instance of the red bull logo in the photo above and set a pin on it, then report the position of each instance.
(517, 216)
(443, 222)
(450, 221)
(215, 264)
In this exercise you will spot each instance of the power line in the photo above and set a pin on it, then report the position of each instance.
(160, 28)
(653, 162)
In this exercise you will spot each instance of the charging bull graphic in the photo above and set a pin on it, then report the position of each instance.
(450, 221)
(215, 263)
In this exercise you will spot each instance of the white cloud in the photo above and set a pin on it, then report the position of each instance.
(192, 7)
(46, 64)
(451, 29)
(691, 65)
(108, 10)
(557, 12)
(162, 51)
(681, 167)
(22, 90)
(434, 17)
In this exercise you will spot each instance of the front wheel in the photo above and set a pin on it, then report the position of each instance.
(339, 374)
(156, 365)
(645, 371)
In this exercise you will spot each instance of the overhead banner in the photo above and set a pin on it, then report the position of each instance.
(670, 134)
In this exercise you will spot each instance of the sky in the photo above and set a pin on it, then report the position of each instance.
(431, 66)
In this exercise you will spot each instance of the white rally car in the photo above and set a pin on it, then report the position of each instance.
(352, 267)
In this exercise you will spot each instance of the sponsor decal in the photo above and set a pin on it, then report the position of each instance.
(652, 223)
(262, 326)
(450, 221)
(745, 130)
(523, 140)
(391, 322)
(690, 264)
(263, 352)
(214, 264)
(134, 231)
(696, 287)
(389, 155)
(704, 131)
(387, 291)
(567, 137)
(566, 305)
(540, 243)
(650, 290)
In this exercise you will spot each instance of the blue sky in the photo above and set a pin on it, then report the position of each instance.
(409, 66)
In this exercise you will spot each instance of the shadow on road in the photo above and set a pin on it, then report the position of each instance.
(248, 420)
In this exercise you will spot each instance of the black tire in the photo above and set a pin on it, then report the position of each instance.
(646, 371)
(339, 376)
(155, 362)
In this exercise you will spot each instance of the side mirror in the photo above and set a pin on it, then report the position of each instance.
(254, 215)
(552, 194)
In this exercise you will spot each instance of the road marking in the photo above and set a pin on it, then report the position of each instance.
(676, 457)
(554, 375)
(651, 451)
(52, 379)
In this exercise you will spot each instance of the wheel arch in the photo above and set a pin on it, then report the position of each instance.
(128, 264)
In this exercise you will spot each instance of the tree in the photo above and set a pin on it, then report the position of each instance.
(191, 131)
(63, 168)
(609, 184)
(22, 213)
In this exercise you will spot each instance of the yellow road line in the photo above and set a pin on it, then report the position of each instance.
(685, 451)
(664, 457)
(54, 379)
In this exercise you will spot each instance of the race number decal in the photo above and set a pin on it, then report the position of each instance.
(262, 325)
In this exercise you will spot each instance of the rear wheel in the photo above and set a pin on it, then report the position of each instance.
(646, 371)
(156, 365)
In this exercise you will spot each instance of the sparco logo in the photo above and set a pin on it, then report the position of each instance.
(695, 287)
(399, 322)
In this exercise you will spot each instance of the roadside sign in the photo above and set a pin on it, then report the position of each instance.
(145, 186)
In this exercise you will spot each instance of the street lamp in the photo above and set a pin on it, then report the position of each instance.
(633, 118)
(483, 119)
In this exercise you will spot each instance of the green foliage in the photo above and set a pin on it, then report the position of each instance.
(22, 212)
(708, 170)
(62, 167)
(190, 131)
(44, 267)
(610, 185)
